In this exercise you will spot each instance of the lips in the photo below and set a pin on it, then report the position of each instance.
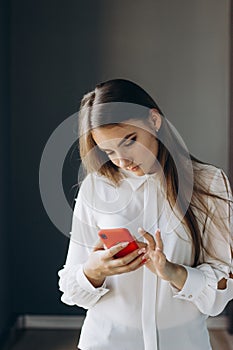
(134, 168)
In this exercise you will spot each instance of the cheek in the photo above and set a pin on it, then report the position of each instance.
(153, 148)
(114, 161)
(147, 150)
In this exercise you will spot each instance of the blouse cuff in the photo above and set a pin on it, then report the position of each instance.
(85, 284)
(193, 285)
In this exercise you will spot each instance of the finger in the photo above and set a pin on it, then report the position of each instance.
(139, 243)
(148, 237)
(157, 256)
(127, 259)
(158, 240)
(98, 245)
(142, 245)
(134, 265)
(115, 249)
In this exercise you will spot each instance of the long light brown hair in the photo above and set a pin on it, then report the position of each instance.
(97, 109)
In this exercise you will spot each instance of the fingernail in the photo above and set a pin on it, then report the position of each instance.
(142, 250)
(140, 229)
(124, 244)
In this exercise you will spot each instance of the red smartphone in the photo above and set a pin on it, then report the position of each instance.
(112, 236)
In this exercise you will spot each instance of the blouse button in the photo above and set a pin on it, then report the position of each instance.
(183, 295)
(190, 296)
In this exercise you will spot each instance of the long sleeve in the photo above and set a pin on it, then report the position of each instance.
(76, 288)
(201, 286)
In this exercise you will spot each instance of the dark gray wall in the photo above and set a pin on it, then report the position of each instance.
(5, 276)
(179, 52)
(55, 48)
(231, 106)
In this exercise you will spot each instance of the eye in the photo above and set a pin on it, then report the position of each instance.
(131, 141)
(109, 153)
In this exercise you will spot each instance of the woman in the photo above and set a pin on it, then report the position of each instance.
(141, 176)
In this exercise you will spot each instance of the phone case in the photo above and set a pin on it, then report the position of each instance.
(111, 237)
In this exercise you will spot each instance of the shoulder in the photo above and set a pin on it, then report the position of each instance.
(213, 178)
(93, 183)
(205, 170)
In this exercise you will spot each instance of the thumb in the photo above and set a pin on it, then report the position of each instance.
(98, 245)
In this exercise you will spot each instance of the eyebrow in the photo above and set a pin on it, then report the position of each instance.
(122, 141)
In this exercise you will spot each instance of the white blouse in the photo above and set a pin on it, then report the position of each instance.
(138, 310)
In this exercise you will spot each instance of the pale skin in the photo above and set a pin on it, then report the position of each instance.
(119, 144)
(101, 263)
(158, 263)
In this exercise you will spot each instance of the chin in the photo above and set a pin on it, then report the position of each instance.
(139, 172)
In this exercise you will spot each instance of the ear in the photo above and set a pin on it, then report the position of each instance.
(155, 119)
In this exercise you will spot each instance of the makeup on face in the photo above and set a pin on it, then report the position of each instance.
(132, 147)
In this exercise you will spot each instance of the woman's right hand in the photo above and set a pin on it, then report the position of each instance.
(101, 262)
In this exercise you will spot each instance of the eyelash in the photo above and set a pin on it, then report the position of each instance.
(129, 143)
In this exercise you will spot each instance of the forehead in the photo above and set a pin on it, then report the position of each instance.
(104, 134)
(118, 131)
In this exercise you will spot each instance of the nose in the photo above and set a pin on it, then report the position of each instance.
(123, 163)
(121, 160)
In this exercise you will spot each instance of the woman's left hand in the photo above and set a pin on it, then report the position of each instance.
(158, 262)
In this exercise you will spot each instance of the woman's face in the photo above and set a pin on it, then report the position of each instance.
(131, 146)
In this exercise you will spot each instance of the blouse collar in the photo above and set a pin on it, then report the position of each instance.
(137, 181)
